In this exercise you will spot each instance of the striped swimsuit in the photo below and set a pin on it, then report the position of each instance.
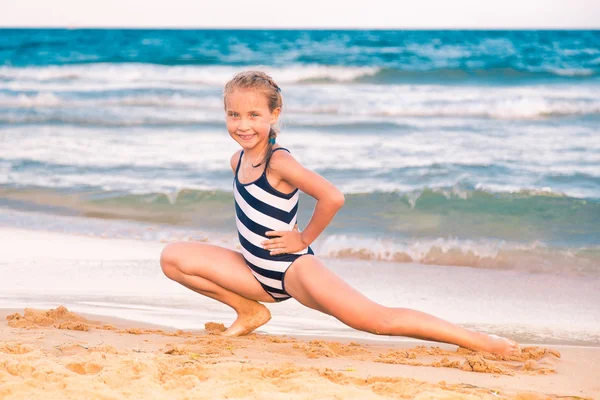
(260, 208)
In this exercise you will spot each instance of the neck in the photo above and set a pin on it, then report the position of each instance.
(256, 154)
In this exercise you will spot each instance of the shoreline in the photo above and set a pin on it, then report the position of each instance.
(442, 250)
(121, 278)
(123, 354)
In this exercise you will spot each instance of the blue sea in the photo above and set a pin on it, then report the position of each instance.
(455, 148)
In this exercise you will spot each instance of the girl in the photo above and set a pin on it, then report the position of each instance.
(276, 261)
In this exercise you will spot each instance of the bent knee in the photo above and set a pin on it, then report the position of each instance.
(169, 259)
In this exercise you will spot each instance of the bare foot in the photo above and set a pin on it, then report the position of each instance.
(502, 346)
(250, 318)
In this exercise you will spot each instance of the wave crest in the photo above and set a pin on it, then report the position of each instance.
(144, 74)
(533, 257)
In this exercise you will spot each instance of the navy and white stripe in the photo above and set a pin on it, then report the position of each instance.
(260, 208)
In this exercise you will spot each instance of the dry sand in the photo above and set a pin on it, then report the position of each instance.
(56, 354)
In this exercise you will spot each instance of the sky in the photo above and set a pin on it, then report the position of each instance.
(395, 14)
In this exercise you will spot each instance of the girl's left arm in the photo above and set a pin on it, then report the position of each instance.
(329, 201)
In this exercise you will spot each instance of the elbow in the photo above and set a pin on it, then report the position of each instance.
(338, 199)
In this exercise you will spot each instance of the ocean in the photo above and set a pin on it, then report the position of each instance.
(475, 149)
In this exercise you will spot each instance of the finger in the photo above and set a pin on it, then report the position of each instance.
(272, 246)
(273, 233)
(272, 241)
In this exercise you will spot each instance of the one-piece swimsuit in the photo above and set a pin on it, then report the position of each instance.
(260, 208)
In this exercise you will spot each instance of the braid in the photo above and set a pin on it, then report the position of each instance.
(270, 143)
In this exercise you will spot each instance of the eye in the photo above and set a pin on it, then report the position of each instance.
(255, 114)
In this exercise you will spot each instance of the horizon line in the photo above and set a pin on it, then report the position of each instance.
(322, 28)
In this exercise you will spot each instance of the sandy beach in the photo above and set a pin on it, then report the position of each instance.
(57, 354)
(53, 353)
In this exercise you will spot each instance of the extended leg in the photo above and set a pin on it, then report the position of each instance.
(313, 285)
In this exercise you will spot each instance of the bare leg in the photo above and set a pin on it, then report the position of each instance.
(313, 285)
(220, 274)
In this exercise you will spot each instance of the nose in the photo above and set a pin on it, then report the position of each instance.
(244, 125)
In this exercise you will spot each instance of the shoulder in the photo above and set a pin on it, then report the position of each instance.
(280, 153)
(281, 159)
(284, 164)
(235, 158)
(291, 171)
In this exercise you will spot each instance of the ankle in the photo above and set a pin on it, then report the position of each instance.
(247, 306)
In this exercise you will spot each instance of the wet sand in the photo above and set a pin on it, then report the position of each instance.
(122, 278)
(57, 354)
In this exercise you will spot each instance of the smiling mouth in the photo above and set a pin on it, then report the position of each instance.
(247, 137)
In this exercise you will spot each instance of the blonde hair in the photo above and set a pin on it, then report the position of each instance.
(258, 80)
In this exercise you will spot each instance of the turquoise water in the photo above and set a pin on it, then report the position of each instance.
(476, 148)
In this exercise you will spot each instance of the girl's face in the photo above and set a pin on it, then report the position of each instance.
(248, 117)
